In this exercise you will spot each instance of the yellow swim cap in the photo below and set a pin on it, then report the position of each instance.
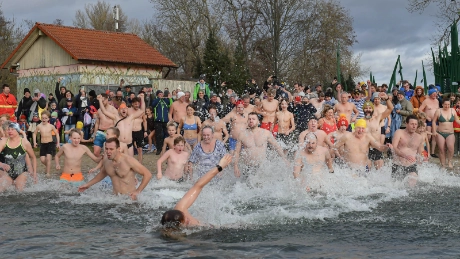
(361, 123)
(79, 125)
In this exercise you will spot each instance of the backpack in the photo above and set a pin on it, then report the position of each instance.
(87, 119)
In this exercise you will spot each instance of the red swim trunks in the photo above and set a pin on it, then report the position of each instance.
(267, 126)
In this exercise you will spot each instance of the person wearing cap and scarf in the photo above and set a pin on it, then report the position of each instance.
(357, 145)
(201, 85)
(406, 108)
(14, 149)
(24, 104)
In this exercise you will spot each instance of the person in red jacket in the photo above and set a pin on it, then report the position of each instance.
(8, 102)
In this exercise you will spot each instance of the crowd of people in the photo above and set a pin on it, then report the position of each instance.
(312, 130)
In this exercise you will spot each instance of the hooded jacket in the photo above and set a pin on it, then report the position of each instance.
(417, 100)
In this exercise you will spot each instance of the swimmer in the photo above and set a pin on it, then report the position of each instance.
(14, 150)
(255, 141)
(408, 145)
(313, 128)
(268, 111)
(47, 146)
(73, 153)
(356, 145)
(177, 161)
(238, 123)
(314, 156)
(122, 169)
(180, 217)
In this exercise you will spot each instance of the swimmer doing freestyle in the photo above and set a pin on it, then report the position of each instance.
(180, 217)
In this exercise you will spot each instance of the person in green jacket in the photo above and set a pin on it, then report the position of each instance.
(201, 85)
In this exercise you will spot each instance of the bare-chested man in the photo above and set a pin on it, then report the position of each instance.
(286, 125)
(177, 161)
(255, 141)
(373, 120)
(318, 104)
(313, 128)
(408, 147)
(139, 124)
(357, 146)
(238, 123)
(124, 122)
(347, 108)
(429, 107)
(268, 111)
(248, 107)
(102, 124)
(312, 159)
(379, 108)
(219, 126)
(122, 169)
(178, 109)
(112, 132)
(73, 153)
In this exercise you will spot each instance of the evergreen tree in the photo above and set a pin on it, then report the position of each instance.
(211, 61)
(240, 72)
(350, 84)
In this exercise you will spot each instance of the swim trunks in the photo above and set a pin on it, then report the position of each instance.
(375, 154)
(138, 138)
(232, 143)
(73, 178)
(100, 138)
(47, 148)
(399, 172)
(267, 126)
(191, 141)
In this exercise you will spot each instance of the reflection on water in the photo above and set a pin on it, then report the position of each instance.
(269, 214)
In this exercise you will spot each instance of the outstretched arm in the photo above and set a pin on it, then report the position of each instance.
(91, 155)
(190, 197)
(160, 161)
(105, 111)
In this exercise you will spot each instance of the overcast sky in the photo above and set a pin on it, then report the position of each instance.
(384, 29)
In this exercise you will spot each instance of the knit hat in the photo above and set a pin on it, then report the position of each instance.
(368, 104)
(26, 90)
(79, 125)
(342, 121)
(158, 92)
(431, 91)
(180, 94)
(54, 114)
(239, 102)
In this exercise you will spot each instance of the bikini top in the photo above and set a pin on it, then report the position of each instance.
(328, 128)
(442, 119)
(193, 126)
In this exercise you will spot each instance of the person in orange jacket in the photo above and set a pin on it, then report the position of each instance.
(8, 102)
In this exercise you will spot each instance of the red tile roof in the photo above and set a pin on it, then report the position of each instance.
(87, 44)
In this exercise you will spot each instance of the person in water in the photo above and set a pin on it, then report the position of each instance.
(73, 153)
(177, 161)
(14, 150)
(122, 169)
(180, 217)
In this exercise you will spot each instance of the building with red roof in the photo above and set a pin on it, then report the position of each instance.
(83, 57)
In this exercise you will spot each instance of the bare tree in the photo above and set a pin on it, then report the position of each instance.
(99, 16)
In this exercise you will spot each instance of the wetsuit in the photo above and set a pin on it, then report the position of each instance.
(16, 159)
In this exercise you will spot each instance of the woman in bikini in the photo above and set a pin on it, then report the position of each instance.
(327, 123)
(444, 132)
(191, 125)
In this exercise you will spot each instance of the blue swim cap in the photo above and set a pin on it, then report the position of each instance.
(432, 91)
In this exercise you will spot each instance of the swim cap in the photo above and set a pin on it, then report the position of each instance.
(15, 126)
(361, 123)
(79, 125)
(122, 106)
(431, 91)
(342, 121)
(368, 104)
(239, 102)
(180, 94)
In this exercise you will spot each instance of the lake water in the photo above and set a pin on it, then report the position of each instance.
(270, 215)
